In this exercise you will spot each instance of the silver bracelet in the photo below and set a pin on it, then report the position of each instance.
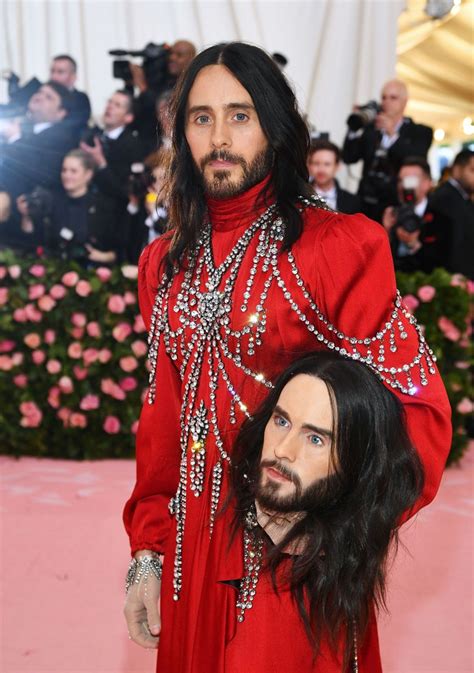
(142, 567)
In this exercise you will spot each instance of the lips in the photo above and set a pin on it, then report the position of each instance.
(276, 475)
(218, 163)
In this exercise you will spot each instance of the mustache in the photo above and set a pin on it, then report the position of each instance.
(283, 469)
(222, 155)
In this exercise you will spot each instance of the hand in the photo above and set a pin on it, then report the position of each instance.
(107, 257)
(22, 205)
(384, 123)
(389, 218)
(142, 612)
(411, 239)
(138, 76)
(96, 152)
(11, 128)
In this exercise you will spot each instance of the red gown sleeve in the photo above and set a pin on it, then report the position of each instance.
(355, 288)
(146, 516)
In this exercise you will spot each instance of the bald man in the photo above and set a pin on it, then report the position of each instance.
(383, 145)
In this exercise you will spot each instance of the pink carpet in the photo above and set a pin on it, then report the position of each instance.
(64, 554)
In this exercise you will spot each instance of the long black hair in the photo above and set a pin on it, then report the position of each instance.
(341, 570)
(281, 122)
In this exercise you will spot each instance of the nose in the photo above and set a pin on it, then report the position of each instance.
(220, 135)
(286, 448)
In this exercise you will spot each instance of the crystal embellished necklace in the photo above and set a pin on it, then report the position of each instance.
(205, 339)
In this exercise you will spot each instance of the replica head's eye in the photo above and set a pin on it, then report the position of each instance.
(241, 117)
(315, 440)
(279, 421)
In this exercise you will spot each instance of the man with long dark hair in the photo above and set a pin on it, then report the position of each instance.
(254, 272)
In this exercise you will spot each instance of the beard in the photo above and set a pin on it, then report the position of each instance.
(318, 495)
(220, 185)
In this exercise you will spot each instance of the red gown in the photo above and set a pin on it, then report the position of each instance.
(346, 266)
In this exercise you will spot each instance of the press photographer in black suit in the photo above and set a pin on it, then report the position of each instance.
(454, 198)
(323, 164)
(383, 139)
(63, 70)
(420, 235)
(114, 148)
(34, 149)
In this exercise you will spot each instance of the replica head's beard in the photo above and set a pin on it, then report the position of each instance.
(315, 496)
(221, 187)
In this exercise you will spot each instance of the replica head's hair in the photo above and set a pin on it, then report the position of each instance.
(378, 476)
(281, 122)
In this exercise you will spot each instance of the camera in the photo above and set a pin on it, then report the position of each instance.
(363, 115)
(155, 64)
(406, 218)
(39, 203)
(139, 181)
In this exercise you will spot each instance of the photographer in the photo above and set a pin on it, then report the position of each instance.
(77, 223)
(63, 70)
(382, 137)
(147, 209)
(420, 236)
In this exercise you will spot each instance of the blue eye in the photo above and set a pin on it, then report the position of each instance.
(200, 118)
(241, 117)
(280, 421)
(315, 440)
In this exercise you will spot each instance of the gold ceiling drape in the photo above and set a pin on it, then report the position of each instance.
(436, 60)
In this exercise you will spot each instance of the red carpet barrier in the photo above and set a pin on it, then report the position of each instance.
(73, 354)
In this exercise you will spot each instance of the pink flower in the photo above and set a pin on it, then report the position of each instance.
(458, 280)
(20, 380)
(58, 291)
(17, 359)
(3, 272)
(77, 332)
(14, 271)
(37, 270)
(3, 296)
(32, 313)
(32, 340)
(38, 357)
(128, 363)
(470, 286)
(70, 278)
(129, 271)
(112, 425)
(80, 373)
(36, 291)
(64, 414)
(6, 363)
(54, 397)
(89, 402)
(465, 406)
(19, 315)
(116, 304)
(83, 288)
(93, 330)
(139, 326)
(130, 298)
(46, 303)
(134, 428)
(109, 387)
(79, 319)
(49, 336)
(66, 385)
(449, 330)
(426, 293)
(128, 383)
(121, 331)
(90, 355)
(53, 366)
(74, 350)
(103, 273)
(77, 420)
(462, 364)
(7, 345)
(139, 348)
(104, 355)
(32, 416)
(411, 302)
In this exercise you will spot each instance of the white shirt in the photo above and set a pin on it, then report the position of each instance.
(330, 196)
(115, 133)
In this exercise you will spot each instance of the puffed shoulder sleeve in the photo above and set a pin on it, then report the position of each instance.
(146, 516)
(355, 288)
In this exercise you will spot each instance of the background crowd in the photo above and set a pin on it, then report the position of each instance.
(94, 194)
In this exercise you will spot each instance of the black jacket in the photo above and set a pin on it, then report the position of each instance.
(346, 202)
(458, 208)
(80, 111)
(35, 160)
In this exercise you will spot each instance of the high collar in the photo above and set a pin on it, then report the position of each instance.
(238, 211)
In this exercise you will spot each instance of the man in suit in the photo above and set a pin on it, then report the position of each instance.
(34, 150)
(382, 145)
(63, 70)
(454, 198)
(420, 235)
(323, 163)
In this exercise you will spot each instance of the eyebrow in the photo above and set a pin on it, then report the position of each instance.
(305, 426)
(228, 106)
